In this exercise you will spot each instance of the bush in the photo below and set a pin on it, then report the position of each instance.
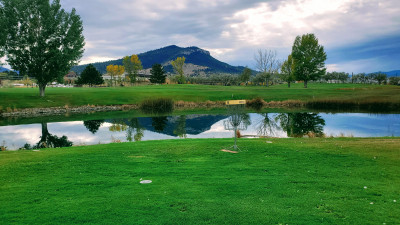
(256, 103)
(157, 106)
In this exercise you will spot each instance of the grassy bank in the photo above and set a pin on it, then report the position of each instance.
(19, 98)
(288, 181)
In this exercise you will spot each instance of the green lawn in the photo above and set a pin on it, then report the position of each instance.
(18, 98)
(288, 181)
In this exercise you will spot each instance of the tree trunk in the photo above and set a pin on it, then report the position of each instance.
(288, 84)
(305, 84)
(42, 88)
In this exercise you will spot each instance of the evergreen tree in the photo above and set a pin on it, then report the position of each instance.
(90, 76)
(157, 74)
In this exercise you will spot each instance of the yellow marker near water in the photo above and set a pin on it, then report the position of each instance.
(235, 102)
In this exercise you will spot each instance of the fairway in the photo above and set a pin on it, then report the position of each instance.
(288, 181)
(19, 98)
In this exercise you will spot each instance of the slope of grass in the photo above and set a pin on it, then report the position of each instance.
(18, 98)
(288, 181)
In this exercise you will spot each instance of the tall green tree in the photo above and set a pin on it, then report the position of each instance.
(178, 64)
(309, 58)
(287, 70)
(2, 33)
(245, 76)
(157, 74)
(91, 76)
(132, 66)
(42, 40)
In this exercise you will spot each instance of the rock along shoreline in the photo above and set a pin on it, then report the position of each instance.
(53, 111)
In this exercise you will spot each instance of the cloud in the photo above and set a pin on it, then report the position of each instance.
(232, 30)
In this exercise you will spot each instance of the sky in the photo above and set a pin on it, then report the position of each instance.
(358, 35)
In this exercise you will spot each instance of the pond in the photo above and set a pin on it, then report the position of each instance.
(282, 125)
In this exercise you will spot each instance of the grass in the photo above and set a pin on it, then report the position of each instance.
(18, 98)
(288, 181)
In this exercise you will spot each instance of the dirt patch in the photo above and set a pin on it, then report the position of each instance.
(224, 150)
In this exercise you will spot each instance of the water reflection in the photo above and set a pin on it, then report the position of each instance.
(267, 126)
(159, 123)
(198, 126)
(135, 129)
(301, 124)
(93, 125)
(48, 140)
(180, 128)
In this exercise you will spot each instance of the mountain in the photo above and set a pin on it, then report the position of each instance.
(393, 73)
(2, 69)
(197, 61)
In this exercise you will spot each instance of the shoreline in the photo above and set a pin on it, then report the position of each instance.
(319, 105)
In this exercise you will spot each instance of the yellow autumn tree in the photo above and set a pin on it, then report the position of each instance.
(178, 64)
(115, 70)
(132, 66)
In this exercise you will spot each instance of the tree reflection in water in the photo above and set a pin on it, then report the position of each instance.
(134, 127)
(301, 124)
(93, 125)
(267, 126)
(180, 128)
(159, 123)
(48, 140)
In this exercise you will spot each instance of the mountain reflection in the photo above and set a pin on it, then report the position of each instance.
(62, 134)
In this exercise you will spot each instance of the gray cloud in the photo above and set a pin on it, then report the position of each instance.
(232, 30)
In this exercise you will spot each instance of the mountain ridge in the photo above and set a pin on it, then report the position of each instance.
(197, 61)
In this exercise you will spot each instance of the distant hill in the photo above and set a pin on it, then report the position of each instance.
(197, 61)
(2, 69)
(393, 73)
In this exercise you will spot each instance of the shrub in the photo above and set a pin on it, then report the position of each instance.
(157, 106)
(256, 103)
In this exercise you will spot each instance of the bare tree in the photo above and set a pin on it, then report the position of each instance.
(266, 63)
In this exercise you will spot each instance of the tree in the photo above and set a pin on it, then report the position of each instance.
(27, 81)
(266, 63)
(309, 58)
(394, 80)
(287, 70)
(157, 74)
(245, 76)
(2, 33)
(41, 39)
(132, 66)
(380, 77)
(115, 70)
(91, 76)
(178, 64)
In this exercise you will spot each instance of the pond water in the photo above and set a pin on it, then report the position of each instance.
(281, 125)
